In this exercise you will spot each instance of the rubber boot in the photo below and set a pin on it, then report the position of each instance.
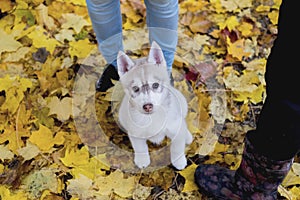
(257, 177)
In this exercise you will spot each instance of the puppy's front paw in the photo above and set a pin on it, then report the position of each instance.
(180, 163)
(142, 160)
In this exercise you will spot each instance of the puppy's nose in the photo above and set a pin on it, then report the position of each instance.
(148, 107)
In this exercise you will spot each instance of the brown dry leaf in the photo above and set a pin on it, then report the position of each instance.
(206, 69)
(200, 23)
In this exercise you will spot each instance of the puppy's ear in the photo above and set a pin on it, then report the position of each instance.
(124, 63)
(156, 55)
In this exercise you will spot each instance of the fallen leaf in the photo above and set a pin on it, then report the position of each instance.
(61, 108)
(29, 151)
(74, 21)
(5, 153)
(81, 48)
(116, 183)
(45, 139)
(41, 55)
(38, 181)
(189, 174)
(80, 187)
(76, 157)
(6, 194)
(237, 49)
(41, 38)
(8, 43)
(17, 55)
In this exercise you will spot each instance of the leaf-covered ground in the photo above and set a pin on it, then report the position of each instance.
(60, 140)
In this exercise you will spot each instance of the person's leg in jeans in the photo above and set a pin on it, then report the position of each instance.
(107, 24)
(162, 23)
(270, 148)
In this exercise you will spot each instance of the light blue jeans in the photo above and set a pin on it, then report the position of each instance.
(162, 23)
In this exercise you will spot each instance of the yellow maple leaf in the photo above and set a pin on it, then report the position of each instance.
(231, 23)
(75, 2)
(246, 29)
(246, 87)
(276, 4)
(44, 138)
(8, 43)
(258, 65)
(81, 48)
(295, 193)
(192, 6)
(256, 96)
(14, 88)
(76, 157)
(14, 137)
(6, 194)
(40, 38)
(291, 179)
(217, 6)
(188, 174)
(237, 49)
(273, 16)
(115, 183)
(263, 8)
(232, 160)
(91, 169)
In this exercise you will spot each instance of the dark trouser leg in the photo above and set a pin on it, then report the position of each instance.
(278, 130)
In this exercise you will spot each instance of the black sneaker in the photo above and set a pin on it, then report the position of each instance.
(105, 81)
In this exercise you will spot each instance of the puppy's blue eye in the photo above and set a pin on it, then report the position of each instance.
(155, 85)
(135, 89)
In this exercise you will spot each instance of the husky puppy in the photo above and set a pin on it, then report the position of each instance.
(151, 108)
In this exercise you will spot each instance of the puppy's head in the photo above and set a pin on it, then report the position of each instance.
(145, 81)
